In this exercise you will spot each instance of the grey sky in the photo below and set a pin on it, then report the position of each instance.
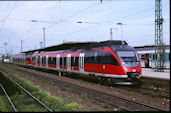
(60, 20)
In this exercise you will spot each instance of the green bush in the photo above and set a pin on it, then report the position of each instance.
(121, 108)
(66, 89)
(73, 106)
(84, 96)
(106, 105)
(5, 105)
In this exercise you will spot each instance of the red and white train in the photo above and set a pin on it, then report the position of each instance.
(111, 59)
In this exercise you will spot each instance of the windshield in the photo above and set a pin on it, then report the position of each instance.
(129, 58)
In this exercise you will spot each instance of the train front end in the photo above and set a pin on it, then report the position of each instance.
(130, 63)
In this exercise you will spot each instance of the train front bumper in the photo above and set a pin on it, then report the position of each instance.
(132, 79)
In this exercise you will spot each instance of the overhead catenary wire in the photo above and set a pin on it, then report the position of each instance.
(136, 13)
(6, 9)
(139, 12)
(8, 15)
(62, 20)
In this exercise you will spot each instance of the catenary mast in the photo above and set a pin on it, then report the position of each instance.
(159, 46)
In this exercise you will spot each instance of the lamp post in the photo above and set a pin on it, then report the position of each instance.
(43, 29)
(21, 45)
(111, 33)
(121, 27)
(44, 37)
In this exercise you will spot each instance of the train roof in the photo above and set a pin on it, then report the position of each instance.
(150, 47)
(78, 45)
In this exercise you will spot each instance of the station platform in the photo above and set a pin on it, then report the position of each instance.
(150, 73)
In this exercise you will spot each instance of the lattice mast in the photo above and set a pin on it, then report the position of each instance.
(159, 46)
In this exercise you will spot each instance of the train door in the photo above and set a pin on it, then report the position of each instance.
(47, 61)
(81, 62)
(44, 61)
(25, 60)
(41, 61)
(36, 61)
(58, 61)
(68, 61)
(150, 60)
(146, 60)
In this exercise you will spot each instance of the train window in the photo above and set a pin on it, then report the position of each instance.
(107, 58)
(142, 57)
(76, 61)
(90, 58)
(38, 60)
(100, 58)
(154, 56)
(64, 61)
(51, 60)
(33, 58)
(27, 59)
(43, 60)
(61, 61)
(72, 61)
(54, 61)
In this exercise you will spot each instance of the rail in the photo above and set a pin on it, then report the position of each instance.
(27, 92)
(8, 98)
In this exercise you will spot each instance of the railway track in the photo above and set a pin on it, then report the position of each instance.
(129, 105)
(161, 92)
(5, 93)
(27, 92)
(150, 91)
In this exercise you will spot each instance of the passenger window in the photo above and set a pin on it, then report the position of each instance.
(76, 61)
(142, 57)
(38, 60)
(61, 61)
(52, 60)
(101, 58)
(64, 61)
(72, 61)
